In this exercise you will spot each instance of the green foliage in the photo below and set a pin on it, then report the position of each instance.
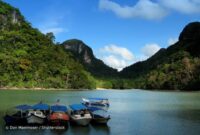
(30, 59)
(50, 36)
(103, 84)
(5, 8)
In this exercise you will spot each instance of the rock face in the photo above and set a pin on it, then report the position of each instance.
(77, 46)
(85, 55)
(9, 16)
(15, 17)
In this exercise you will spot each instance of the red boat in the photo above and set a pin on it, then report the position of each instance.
(58, 116)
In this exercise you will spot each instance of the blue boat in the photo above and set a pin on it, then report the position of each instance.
(80, 115)
(99, 116)
(19, 117)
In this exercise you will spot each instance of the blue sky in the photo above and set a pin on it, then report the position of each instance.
(120, 32)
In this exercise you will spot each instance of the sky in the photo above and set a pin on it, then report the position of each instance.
(120, 32)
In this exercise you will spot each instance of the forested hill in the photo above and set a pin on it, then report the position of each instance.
(177, 67)
(86, 57)
(30, 59)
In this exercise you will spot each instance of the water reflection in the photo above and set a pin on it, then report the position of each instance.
(189, 115)
(79, 130)
(59, 132)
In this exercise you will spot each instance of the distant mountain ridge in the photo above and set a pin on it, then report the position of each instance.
(177, 67)
(85, 55)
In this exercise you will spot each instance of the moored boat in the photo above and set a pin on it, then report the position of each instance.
(38, 114)
(58, 115)
(99, 116)
(80, 115)
(96, 102)
(19, 117)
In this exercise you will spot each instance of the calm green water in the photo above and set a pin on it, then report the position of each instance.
(133, 112)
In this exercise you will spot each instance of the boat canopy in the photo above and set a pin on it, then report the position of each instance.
(97, 98)
(41, 106)
(77, 107)
(23, 107)
(56, 108)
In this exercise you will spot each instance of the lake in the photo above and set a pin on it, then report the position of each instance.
(133, 112)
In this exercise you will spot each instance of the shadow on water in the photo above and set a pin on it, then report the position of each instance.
(59, 132)
(101, 129)
(2, 123)
(79, 130)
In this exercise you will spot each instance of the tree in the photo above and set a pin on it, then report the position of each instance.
(50, 36)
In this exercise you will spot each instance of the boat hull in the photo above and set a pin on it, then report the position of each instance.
(59, 119)
(11, 120)
(58, 123)
(35, 120)
(81, 121)
(97, 119)
(100, 120)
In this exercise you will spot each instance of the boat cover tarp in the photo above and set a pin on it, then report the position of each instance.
(93, 109)
(77, 107)
(23, 107)
(97, 98)
(56, 108)
(41, 106)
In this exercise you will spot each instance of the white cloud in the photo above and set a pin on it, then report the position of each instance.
(151, 10)
(183, 6)
(117, 57)
(143, 9)
(52, 24)
(121, 51)
(53, 29)
(115, 62)
(150, 49)
(172, 41)
(120, 57)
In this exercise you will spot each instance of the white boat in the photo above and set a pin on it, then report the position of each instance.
(102, 102)
(36, 117)
(80, 115)
(37, 114)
